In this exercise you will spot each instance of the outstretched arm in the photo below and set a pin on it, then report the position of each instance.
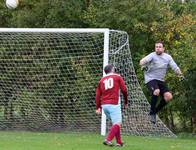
(180, 75)
(178, 72)
(146, 59)
(142, 61)
(176, 69)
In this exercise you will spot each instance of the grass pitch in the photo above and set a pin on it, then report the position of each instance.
(81, 141)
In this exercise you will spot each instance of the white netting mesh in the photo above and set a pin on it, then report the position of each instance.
(136, 119)
(48, 81)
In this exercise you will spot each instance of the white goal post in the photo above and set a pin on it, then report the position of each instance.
(49, 75)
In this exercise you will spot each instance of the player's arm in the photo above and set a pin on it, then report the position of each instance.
(98, 99)
(124, 91)
(176, 69)
(146, 59)
(180, 74)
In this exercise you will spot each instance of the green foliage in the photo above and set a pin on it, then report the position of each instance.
(65, 14)
(145, 21)
(4, 15)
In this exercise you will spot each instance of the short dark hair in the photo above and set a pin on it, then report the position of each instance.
(160, 41)
(108, 68)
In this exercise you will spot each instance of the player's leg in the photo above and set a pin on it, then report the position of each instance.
(116, 118)
(166, 96)
(118, 137)
(115, 132)
(155, 91)
(108, 139)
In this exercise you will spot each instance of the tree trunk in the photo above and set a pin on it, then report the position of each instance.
(193, 115)
(194, 122)
(88, 2)
(171, 120)
(165, 116)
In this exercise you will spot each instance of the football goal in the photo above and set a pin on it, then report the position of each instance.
(48, 79)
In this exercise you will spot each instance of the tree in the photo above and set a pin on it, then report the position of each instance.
(145, 21)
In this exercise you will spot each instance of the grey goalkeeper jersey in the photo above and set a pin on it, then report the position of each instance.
(157, 66)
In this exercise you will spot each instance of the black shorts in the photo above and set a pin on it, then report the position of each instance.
(157, 84)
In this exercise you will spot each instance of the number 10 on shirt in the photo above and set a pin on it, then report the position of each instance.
(109, 83)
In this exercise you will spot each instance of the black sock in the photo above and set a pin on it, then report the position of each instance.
(153, 104)
(161, 105)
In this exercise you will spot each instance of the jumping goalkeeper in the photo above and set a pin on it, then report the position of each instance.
(155, 66)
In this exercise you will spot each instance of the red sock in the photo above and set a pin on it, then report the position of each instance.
(112, 133)
(118, 136)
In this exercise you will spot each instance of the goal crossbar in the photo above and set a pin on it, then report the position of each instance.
(56, 30)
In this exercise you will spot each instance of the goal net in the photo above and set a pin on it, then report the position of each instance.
(48, 79)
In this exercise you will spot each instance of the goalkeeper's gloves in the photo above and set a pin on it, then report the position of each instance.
(144, 68)
(181, 77)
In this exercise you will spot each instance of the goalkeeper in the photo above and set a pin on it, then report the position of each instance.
(107, 98)
(155, 66)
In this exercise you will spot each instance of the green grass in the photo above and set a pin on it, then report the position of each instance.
(75, 141)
